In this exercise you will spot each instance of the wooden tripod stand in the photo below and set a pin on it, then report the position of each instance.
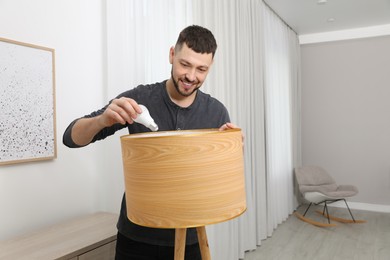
(180, 243)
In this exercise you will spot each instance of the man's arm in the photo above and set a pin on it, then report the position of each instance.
(83, 130)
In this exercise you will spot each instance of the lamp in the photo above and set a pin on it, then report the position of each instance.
(182, 179)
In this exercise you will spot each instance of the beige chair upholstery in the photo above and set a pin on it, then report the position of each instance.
(318, 187)
(316, 179)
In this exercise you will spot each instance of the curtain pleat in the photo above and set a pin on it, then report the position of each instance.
(280, 86)
(255, 74)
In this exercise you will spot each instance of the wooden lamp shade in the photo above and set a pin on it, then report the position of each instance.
(182, 179)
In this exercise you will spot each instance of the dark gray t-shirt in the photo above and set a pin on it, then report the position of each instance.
(205, 112)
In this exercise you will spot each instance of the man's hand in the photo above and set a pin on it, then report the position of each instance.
(121, 110)
(228, 126)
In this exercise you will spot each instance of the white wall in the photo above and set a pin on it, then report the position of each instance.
(38, 194)
(345, 107)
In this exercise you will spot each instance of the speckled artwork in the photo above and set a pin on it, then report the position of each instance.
(27, 103)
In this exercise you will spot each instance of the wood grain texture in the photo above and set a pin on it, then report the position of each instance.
(180, 243)
(203, 243)
(63, 241)
(180, 179)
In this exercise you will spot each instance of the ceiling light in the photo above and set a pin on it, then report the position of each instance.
(321, 2)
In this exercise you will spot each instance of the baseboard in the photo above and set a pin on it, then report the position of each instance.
(362, 206)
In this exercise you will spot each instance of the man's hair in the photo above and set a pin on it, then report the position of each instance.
(198, 39)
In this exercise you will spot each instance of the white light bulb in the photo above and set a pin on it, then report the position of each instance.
(145, 119)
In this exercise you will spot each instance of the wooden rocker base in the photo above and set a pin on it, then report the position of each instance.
(313, 222)
(341, 220)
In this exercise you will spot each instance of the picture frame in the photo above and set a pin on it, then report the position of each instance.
(27, 103)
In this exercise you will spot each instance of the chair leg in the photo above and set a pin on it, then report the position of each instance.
(349, 210)
(307, 208)
(310, 221)
(342, 220)
(326, 210)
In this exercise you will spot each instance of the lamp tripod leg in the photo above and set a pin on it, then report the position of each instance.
(203, 243)
(180, 243)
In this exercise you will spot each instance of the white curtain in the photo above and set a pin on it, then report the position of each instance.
(281, 63)
(236, 80)
(139, 35)
(255, 74)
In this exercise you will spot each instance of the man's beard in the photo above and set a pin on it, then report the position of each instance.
(176, 84)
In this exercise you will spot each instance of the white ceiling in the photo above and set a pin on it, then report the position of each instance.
(308, 16)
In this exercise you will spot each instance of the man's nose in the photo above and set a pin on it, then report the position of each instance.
(191, 75)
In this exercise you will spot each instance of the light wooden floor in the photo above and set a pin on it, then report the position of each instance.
(295, 239)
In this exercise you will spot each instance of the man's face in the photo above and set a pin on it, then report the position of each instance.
(189, 69)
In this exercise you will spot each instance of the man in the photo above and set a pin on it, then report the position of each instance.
(174, 104)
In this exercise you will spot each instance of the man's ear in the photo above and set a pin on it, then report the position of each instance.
(171, 54)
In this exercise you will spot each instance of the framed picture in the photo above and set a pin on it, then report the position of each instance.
(27, 103)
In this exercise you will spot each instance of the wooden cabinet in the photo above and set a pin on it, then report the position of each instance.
(104, 252)
(85, 238)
